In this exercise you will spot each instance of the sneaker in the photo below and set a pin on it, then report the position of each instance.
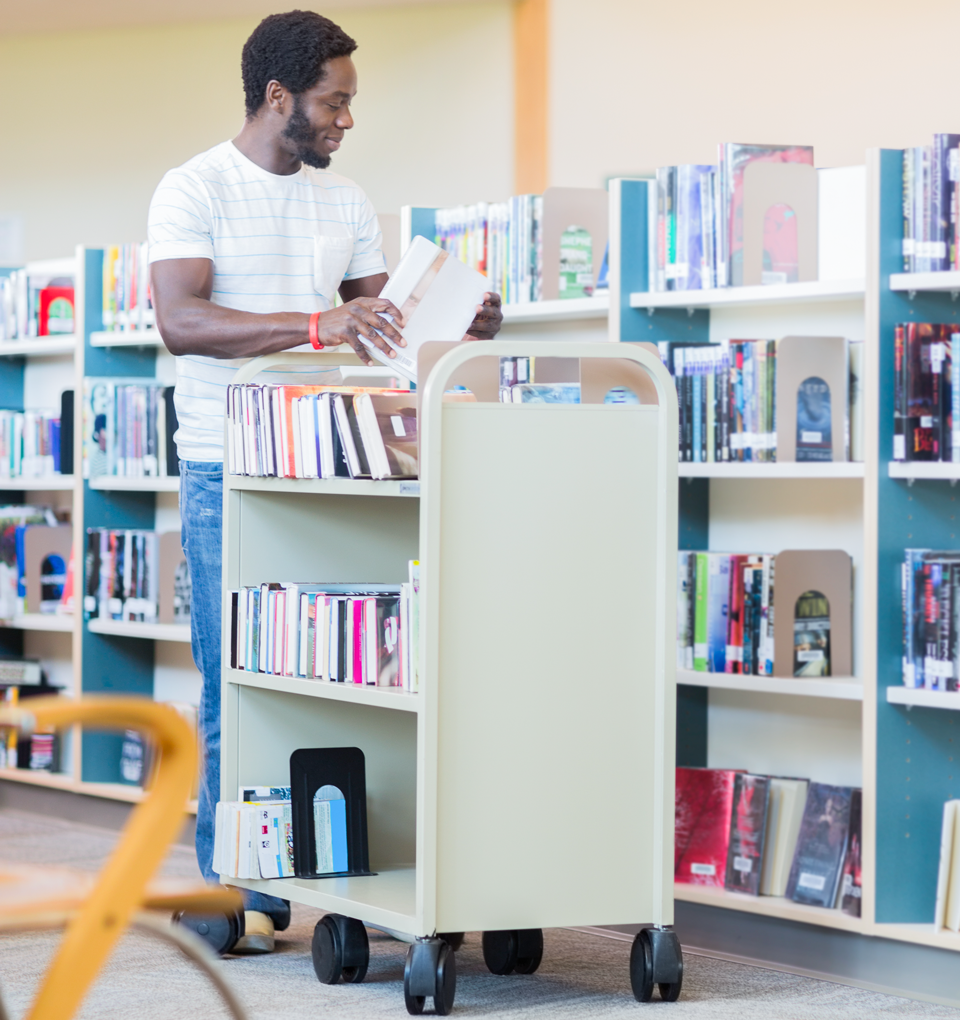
(258, 936)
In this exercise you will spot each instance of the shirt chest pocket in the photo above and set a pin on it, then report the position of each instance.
(331, 258)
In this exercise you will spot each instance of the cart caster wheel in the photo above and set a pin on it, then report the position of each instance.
(508, 952)
(340, 950)
(430, 972)
(454, 939)
(219, 931)
(656, 958)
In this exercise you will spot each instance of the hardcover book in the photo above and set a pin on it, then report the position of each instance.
(785, 808)
(821, 846)
(748, 823)
(702, 834)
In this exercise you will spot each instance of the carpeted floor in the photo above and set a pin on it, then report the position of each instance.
(582, 976)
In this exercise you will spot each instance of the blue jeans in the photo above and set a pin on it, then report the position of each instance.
(201, 512)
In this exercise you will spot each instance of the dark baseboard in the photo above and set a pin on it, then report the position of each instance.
(917, 972)
(76, 807)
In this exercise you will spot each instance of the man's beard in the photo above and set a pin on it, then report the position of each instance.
(299, 131)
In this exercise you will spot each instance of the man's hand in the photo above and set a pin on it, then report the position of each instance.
(489, 318)
(361, 317)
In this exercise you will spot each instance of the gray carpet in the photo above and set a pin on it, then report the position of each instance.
(582, 976)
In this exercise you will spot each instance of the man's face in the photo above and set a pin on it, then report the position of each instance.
(321, 115)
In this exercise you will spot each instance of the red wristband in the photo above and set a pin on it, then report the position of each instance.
(314, 329)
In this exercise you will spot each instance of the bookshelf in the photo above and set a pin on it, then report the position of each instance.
(898, 744)
(429, 796)
(144, 659)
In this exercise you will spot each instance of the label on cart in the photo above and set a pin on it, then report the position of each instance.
(703, 869)
(409, 488)
(809, 881)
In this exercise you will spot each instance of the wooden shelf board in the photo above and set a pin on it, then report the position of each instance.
(327, 486)
(161, 483)
(924, 470)
(55, 780)
(52, 483)
(774, 471)
(780, 294)
(152, 631)
(844, 688)
(923, 698)
(944, 281)
(39, 346)
(387, 898)
(769, 906)
(557, 311)
(920, 934)
(127, 338)
(379, 697)
(41, 621)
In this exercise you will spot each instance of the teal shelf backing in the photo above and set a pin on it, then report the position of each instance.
(916, 771)
(694, 496)
(109, 664)
(423, 222)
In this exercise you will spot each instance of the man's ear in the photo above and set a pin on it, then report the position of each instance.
(277, 99)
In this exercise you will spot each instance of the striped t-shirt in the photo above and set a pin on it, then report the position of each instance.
(277, 243)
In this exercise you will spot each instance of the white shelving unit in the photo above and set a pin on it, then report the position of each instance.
(127, 338)
(914, 283)
(597, 307)
(817, 292)
(846, 688)
(38, 347)
(53, 483)
(113, 483)
(774, 471)
(442, 762)
(154, 631)
(914, 470)
(949, 700)
(41, 622)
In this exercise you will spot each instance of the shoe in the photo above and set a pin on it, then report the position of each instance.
(258, 936)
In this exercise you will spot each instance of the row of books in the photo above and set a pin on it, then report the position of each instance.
(926, 392)
(930, 175)
(727, 395)
(254, 835)
(128, 429)
(127, 301)
(29, 444)
(36, 571)
(362, 634)
(502, 240)
(39, 751)
(35, 304)
(930, 597)
(769, 836)
(136, 576)
(695, 238)
(947, 909)
(321, 431)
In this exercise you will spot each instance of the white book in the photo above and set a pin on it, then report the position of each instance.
(231, 857)
(218, 838)
(241, 635)
(305, 635)
(296, 438)
(788, 797)
(324, 835)
(291, 634)
(308, 436)
(321, 648)
(437, 296)
(273, 844)
(945, 880)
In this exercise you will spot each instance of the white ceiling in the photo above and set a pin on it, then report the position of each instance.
(18, 17)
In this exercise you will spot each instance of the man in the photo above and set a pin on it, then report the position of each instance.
(248, 240)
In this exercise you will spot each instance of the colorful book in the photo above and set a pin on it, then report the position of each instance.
(704, 800)
(821, 846)
(748, 822)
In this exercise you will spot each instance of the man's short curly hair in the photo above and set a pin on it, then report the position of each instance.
(292, 49)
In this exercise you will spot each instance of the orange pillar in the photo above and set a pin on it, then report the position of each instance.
(530, 29)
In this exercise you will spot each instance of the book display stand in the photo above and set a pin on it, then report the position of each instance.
(579, 498)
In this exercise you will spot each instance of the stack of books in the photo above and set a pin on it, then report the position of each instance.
(768, 836)
(29, 444)
(361, 634)
(136, 576)
(40, 751)
(128, 428)
(930, 210)
(321, 432)
(35, 304)
(695, 238)
(926, 392)
(930, 595)
(127, 302)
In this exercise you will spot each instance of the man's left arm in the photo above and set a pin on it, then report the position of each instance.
(485, 326)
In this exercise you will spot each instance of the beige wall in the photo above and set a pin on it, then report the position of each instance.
(636, 84)
(90, 121)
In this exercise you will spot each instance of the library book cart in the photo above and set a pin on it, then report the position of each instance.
(530, 782)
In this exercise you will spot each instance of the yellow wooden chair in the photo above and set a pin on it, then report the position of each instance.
(97, 909)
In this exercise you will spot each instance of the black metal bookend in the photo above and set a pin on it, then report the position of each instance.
(342, 767)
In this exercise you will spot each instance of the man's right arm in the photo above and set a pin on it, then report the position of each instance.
(190, 323)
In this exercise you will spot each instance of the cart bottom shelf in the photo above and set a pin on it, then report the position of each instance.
(387, 899)
(769, 906)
